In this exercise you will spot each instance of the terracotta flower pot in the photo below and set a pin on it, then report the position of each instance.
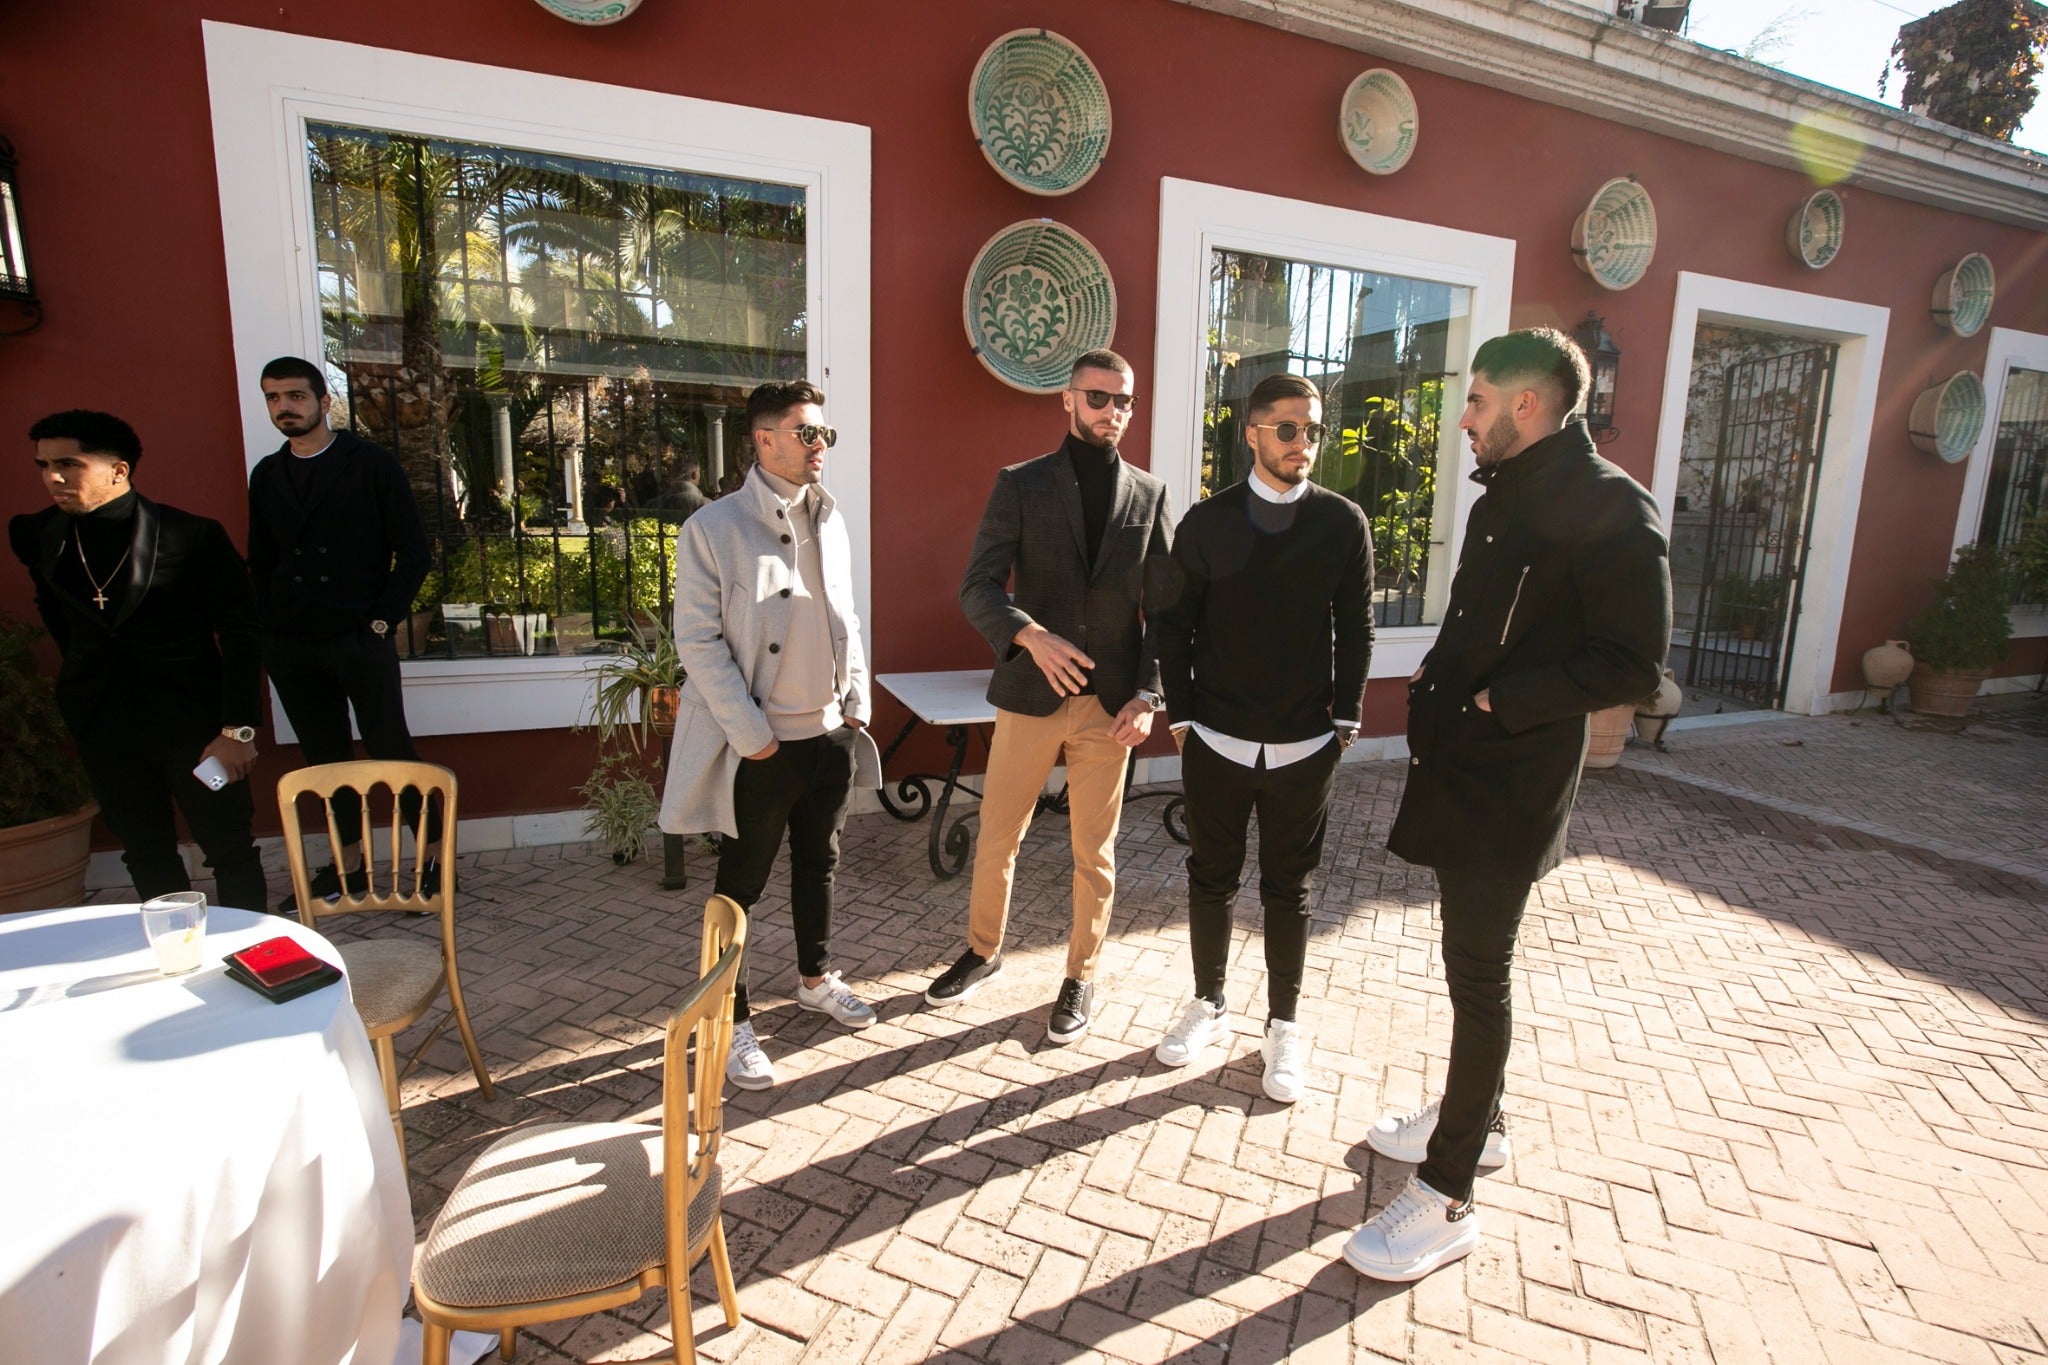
(662, 705)
(1945, 693)
(42, 865)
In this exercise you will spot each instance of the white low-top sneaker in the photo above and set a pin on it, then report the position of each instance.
(1406, 1138)
(1286, 1051)
(746, 1066)
(1412, 1236)
(833, 997)
(1200, 1024)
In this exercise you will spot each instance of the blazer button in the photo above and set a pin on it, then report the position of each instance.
(1460, 611)
(297, 578)
(785, 540)
(1489, 540)
(298, 552)
(1414, 762)
(323, 578)
(785, 592)
(775, 649)
(778, 514)
(323, 549)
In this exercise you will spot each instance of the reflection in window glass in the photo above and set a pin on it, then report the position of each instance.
(1377, 346)
(558, 350)
(2016, 496)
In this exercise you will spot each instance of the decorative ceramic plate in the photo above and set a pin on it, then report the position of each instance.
(1038, 296)
(1039, 111)
(1377, 121)
(1963, 294)
(1614, 239)
(1947, 418)
(589, 11)
(1815, 233)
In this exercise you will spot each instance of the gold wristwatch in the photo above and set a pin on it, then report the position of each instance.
(241, 734)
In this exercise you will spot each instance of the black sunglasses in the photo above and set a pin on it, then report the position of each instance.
(1098, 399)
(1287, 431)
(810, 433)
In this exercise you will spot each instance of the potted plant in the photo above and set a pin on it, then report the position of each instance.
(1964, 632)
(644, 676)
(620, 803)
(46, 807)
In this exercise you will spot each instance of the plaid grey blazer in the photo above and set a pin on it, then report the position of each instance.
(1032, 529)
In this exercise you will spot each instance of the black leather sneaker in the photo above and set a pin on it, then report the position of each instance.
(964, 978)
(326, 884)
(1070, 1014)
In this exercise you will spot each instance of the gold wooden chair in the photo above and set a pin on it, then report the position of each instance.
(393, 980)
(556, 1220)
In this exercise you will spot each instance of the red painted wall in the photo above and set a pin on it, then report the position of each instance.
(106, 103)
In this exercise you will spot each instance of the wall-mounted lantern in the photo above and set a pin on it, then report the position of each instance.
(15, 285)
(1605, 358)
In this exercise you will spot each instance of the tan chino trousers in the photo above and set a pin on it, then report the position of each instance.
(1021, 757)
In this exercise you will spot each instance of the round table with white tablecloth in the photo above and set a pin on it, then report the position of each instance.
(190, 1172)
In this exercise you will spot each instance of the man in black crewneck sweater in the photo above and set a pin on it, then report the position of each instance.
(151, 609)
(1264, 640)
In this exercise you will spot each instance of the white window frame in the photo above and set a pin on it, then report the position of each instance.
(2008, 349)
(266, 86)
(1858, 329)
(1196, 219)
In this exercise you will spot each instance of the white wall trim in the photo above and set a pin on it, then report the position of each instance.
(1197, 218)
(265, 86)
(1859, 329)
(2007, 349)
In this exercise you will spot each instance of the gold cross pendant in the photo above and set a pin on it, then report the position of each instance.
(100, 600)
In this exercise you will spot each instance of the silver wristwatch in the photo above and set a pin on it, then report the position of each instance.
(1151, 699)
(240, 734)
(380, 627)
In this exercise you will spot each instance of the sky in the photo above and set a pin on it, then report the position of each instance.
(1843, 43)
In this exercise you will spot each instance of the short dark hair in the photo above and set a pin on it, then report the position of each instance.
(292, 367)
(766, 404)
(97, 433)
(1276, 388)
(1101, 358)
(1537, 355)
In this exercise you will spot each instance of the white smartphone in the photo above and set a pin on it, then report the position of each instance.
(213, 773)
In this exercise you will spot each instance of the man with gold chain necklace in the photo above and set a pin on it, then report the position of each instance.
(152, 611)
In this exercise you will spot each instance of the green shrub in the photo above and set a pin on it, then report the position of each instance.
(1965, 628)
(39, 776)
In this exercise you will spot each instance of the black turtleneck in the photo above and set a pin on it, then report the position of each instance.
(1095, 468)
(104, 534)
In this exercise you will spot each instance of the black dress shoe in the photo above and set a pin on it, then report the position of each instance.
(964, 978)
(1071, 1013)
(326, 884)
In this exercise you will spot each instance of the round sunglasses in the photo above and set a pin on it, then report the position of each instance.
(1287, 431)
(810, 433)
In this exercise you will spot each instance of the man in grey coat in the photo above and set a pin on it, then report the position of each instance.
(1079, 532)
(771, 733)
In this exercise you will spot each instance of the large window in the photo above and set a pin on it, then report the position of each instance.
(2016, 490)
(1378, 346)
(558, 350)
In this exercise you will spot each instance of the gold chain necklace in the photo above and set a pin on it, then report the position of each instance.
(99, 589)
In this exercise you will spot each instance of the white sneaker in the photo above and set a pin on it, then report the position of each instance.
(746, 1066)
(1406, 1138)
(1286, 1052)
(1200, 1024)
(1412, 1236)
(834, 998)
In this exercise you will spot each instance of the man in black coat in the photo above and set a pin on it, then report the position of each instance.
(1265, 637)
(1076, 668)
(1561, 607)
(151, 609)
(336, 552)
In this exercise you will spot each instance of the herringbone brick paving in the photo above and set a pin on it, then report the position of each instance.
(1779, 1089)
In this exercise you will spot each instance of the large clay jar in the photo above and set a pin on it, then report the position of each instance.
(1886, 666)
(1607, 731)
(1655, 711)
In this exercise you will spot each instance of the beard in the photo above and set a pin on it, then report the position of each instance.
(1087, 436)
(294, 425)
(1277, 468)
(1493, 447)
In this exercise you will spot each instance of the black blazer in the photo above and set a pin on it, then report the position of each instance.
(151, 667)
(1033, 528)
(351, 552)
(1561, 606)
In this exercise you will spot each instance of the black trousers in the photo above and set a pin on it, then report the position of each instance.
(1293, 806)
(1482, 914)
(319, 682)
(803, 790)
(138, 781)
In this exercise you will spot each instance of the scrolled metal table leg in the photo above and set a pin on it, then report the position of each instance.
(956, 841)
(911, 791)
(1176, 824)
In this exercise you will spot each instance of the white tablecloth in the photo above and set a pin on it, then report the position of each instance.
(189, 1173)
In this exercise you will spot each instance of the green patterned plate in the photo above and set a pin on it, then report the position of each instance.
(1947, 419)
(1377, 120)
(1814, 235)
(1038, 296)
(1614, 239)
(590, 11)
(1963, 295)
(1039, 111)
